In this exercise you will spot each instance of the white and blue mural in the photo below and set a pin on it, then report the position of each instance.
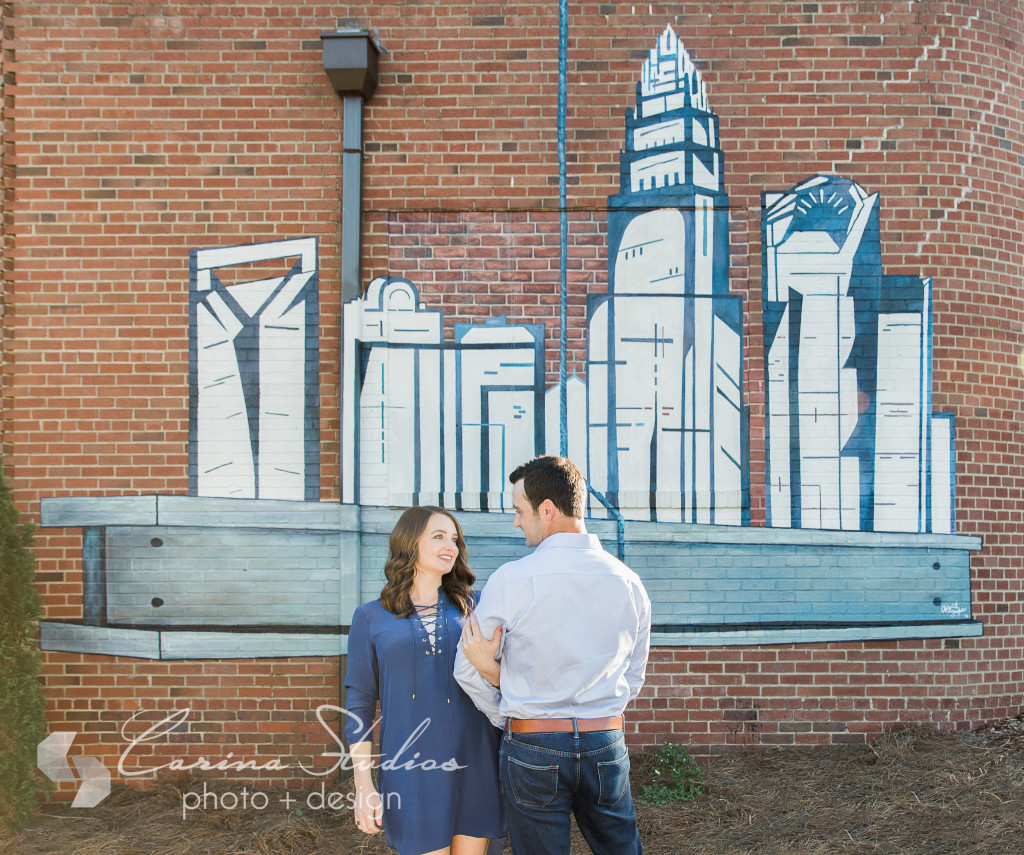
(859, 539)
(658, 425)
(435, 422)
(254, 374)
(852, 440)
(665, 415)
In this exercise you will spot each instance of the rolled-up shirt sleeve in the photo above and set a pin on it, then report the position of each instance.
(488, 611)
(361, 681)
(641, 648)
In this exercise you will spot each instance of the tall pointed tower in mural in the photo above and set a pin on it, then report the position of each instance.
(665, 413)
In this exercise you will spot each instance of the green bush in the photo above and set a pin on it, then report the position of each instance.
(678, 777)
(22, 707)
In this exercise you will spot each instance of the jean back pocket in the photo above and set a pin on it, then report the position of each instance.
(532, 786)
(613, 776)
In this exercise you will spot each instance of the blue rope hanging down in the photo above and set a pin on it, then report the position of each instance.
(563, 302)
(563, 231)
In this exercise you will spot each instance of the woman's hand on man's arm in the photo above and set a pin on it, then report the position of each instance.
(480, 650)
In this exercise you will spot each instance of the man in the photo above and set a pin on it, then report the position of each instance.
(573, 628)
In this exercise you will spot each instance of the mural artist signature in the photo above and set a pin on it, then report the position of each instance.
(342, 758)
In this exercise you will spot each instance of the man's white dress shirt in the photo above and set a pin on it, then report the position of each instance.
(577, 626)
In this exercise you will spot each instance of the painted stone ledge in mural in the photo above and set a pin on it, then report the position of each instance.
(861, 540)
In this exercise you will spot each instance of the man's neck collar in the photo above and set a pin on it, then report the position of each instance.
(567, 525)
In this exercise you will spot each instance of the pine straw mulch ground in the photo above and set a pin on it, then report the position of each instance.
(913, 792)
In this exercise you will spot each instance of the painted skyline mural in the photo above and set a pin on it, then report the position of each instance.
(852, 439)
(658, 425)
(434, 422)
(252, 563)
(664, 375)
(254, 427)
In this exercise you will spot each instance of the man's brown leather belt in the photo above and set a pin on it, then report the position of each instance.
(561, 725)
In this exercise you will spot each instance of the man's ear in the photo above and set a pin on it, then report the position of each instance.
(547, 510)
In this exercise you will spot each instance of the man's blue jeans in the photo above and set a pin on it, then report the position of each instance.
(547, 776)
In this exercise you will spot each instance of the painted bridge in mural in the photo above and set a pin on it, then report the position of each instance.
(860, 474)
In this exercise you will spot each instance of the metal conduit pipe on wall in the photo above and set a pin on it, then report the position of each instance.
(350, 60)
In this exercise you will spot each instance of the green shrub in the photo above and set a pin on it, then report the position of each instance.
(677, 777)
(22, 707)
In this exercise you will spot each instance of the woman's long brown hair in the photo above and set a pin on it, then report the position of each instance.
(400, 568)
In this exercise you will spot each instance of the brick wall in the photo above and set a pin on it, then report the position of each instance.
(5, 184)
(832, 693)
(136, 135)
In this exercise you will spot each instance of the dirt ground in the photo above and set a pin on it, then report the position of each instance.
(913, 792)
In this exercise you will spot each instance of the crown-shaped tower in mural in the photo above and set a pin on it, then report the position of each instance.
(666, 418)
(672, 135)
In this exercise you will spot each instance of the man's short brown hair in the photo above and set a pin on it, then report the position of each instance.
(554, 478)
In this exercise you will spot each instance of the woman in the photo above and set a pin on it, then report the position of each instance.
(439, 754)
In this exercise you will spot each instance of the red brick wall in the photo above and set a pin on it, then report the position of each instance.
(6, 171)
(815, 694)
(136, 136)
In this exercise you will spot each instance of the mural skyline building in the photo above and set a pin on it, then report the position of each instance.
(254, 365)
(434, 422)
(664, 365)
(852, 442)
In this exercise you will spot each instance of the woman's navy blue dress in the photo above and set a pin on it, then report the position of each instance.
(428, 726)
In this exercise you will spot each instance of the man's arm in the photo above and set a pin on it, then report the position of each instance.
(484, 694)
(481, 651)
(641, 648)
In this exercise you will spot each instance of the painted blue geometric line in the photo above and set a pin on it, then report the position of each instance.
(655, 341)
(501, 426)
(447, 345)
(273, 327)
(734, 461)
(726, 374)
(216, 344)
(417, 439)
(728, 400)
(641, 244)
(656, 163)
